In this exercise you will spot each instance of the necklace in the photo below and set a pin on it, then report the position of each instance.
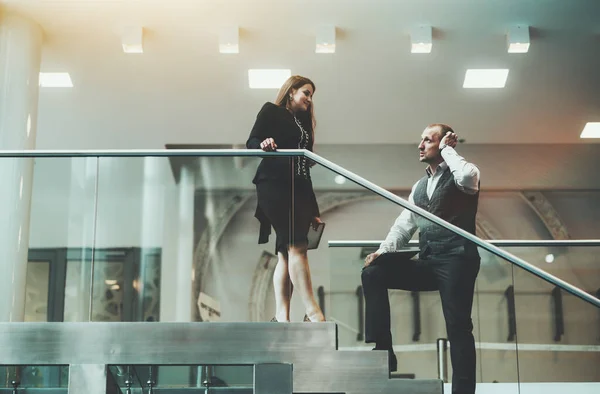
(302, 144)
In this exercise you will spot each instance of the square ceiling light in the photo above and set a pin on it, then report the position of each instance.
(485, 78)
(229, 39)
(267, 78)
(133, 40)
(325, 39)
(591, 130)
(518, 39)
(55, 80)
(421, 39)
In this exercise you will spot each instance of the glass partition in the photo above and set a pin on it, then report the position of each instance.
(62, 221)
(130, 238)
(558, 333)
(183, 378)
(27, 377)
(516, 315)
(103, 229)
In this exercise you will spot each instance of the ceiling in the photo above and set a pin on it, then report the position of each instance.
(371, 91)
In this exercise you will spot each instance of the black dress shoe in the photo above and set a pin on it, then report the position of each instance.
(392, 361)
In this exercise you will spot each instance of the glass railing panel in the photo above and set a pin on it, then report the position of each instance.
(558, 335)
(415, 337)
(576, 265)
(170, 378)
(189, 214)
(23, 377)
(350, 211)
(62, 220)
(493, 322)
(417, 316)
(122, 377)
(526, 331)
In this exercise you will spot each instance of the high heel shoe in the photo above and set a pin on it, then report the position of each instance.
(307, 320)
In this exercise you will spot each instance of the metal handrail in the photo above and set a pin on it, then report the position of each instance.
(332, 167)
(497, 242)
(457, 230)
(150, 153)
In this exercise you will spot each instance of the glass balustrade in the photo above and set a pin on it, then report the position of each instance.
(172, 237)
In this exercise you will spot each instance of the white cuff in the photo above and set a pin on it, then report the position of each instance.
(381, 251)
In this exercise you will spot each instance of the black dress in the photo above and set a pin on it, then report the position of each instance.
(273, 178)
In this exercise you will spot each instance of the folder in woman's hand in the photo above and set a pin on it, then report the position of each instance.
(314, 236)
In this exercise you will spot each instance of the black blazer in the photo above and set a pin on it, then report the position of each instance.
(278, 123)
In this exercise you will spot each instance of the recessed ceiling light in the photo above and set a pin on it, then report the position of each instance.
(229, 39)
(267, 78)
(518, 39)
(421, 39)
(421, 47)
(55, 80)
(325, 39)
(518, 47)
(133, 40)
(550, 258)
(591, 130)
(485, 78)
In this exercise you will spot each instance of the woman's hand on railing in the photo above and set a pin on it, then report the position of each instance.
(268, 145)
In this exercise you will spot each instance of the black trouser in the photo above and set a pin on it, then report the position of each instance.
(453, 277)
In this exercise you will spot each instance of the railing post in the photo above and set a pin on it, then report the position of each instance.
(321, 295)
(16, 381)
(509, 293)
(559, 321)
(360, 336)
(207, 380)
(152, 372)
(416, 315)
(442, 359)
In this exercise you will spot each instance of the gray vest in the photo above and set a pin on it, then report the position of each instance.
(453, 206)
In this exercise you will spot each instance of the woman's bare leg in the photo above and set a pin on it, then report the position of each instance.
(299, 273)
(283, 289)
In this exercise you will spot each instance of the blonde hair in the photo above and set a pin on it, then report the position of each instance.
(283, 99)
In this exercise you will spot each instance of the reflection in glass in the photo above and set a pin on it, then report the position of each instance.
(36, 291)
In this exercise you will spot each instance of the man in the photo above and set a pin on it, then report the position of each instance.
(447, 262)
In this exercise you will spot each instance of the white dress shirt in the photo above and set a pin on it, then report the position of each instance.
(466, 177)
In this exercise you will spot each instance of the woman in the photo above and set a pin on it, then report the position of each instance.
(287, 124)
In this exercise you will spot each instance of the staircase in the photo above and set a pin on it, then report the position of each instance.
(311, 349)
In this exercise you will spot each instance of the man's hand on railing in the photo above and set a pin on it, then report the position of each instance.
(369, 259)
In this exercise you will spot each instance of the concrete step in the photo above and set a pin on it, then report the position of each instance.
(354, 372)
(172, 343)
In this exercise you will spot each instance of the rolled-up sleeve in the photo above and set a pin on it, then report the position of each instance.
(466, 175)
(402, 230)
